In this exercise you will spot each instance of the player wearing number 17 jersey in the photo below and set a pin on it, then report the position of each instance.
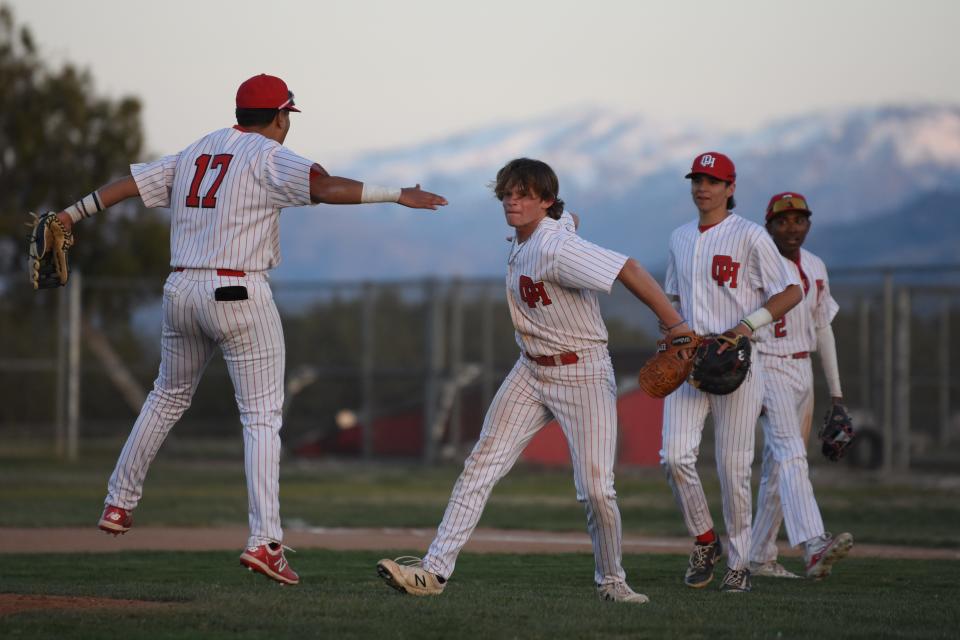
(225, 192)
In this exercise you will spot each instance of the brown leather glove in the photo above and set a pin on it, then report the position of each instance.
(669, 367)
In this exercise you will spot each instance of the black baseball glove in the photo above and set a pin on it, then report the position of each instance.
(721, 373)
(49, 242)
(837, 432)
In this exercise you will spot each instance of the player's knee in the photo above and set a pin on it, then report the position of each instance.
(674, 461)
(170, 403)
(791, 449)
(597, 493)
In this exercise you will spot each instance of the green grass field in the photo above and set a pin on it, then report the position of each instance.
(490, 596)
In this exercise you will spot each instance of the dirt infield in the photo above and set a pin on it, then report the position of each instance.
(91, 540)
(12, 603)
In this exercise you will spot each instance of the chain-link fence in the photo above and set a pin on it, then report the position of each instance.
(406, 369)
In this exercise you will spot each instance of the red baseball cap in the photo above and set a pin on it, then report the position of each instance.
(714, 164)
(265, 92)
(787, 201)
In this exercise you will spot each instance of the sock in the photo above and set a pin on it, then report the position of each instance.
(706, 538)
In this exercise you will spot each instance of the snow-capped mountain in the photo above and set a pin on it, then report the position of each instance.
(624, 175)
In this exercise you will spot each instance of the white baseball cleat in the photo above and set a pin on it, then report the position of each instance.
(406, 574)
(620, 592)
(822, 552)
(772, 569)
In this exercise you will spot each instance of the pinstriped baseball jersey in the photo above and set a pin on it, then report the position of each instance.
(785, 493)
(225, 192)
(724, 273)
(797, 330)
(720, 274)
(552, 280)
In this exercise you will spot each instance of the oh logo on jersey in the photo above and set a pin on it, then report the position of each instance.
(725, 271)
(533, 292)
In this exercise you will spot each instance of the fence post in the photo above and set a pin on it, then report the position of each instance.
(903, 380)
(945, 373)
(887, 350)
(63, 348)
(486, 340)
(865, 392)
(73, 379)
(456, 362)
(435, 356)
(368, 350)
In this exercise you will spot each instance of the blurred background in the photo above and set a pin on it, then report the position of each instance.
(395, 320)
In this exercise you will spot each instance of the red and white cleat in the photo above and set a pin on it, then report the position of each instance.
(115, 521)
(269, 560)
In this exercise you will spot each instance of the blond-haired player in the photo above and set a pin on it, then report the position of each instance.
(563, 371)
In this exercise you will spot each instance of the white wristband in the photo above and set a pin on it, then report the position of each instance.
(85, 207)
(757, 319)
(373, 193)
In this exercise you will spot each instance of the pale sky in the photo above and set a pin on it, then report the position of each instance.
(372, 74)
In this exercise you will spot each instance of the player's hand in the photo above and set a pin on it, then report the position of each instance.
(416, 198)
(741, 330)
(681, 329)
(65, 220)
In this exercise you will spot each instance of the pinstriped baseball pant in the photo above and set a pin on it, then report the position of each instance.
(735, 418)
(582, 397)
(785, 488)
(250, 335)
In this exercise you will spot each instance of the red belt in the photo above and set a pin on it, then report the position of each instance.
(799, 355)
(221, 272)
(556, 360)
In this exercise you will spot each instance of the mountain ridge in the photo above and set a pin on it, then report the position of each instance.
(623, 173)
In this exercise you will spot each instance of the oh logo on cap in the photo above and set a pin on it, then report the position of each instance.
(707, 160)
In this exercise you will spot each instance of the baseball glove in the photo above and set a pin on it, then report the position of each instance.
(721, 373)
(49, 242)
(670, 366)
(837, 432)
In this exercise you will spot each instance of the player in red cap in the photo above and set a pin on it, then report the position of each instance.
(225, 192)
(785, 492)
(724, 274)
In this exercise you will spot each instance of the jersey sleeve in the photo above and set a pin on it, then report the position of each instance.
(286, 176)
(155, 180)
(670, 285)
(768, 269)
(566, 222)
(579, 264)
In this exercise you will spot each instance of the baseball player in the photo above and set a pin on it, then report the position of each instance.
(725, 274)
(785, 491)
(225, 192)
(563, 371)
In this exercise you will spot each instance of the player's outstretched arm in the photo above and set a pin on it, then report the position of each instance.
(417, 198)
(106, 196)
(336, 190)
(774, 309)
(641, 284)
